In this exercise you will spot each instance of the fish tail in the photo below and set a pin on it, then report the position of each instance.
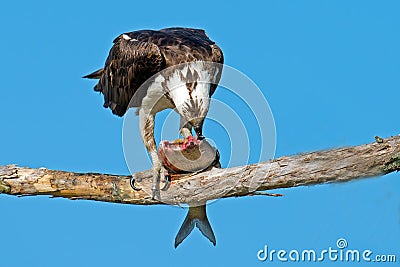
(197, 216)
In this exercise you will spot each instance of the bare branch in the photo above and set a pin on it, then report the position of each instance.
(329, 166)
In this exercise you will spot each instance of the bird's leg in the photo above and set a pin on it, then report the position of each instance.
(146, 122)
(167, 180)
(185, 129)
(155, 188)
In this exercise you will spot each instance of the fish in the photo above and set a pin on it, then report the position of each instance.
(190, 155)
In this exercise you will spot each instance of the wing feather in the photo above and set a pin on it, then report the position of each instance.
(138, 55)
(129, 64)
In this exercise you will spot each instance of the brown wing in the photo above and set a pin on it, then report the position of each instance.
(218, 57)
(138, 55)
(129, 64)
(181, 45)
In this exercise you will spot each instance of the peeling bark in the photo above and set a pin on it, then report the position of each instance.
(329, 166)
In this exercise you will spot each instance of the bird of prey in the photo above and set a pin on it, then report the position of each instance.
(139, 55)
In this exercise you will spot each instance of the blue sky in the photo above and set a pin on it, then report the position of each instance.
(330, 73)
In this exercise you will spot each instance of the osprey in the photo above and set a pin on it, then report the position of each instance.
(186, 87)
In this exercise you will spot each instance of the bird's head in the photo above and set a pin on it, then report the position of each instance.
(191, 96)
(197, 124)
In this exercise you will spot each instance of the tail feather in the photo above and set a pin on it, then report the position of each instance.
(95, 75)
(197, 216)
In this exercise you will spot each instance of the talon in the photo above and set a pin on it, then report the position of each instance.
(167, 182)
(217, 162)
(132, 182)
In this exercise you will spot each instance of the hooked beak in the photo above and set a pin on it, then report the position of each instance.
(199, 131)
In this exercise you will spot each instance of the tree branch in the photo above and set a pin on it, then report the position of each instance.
(329, 166)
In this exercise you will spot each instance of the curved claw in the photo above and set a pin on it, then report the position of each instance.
(132, 182)
(167, 182)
